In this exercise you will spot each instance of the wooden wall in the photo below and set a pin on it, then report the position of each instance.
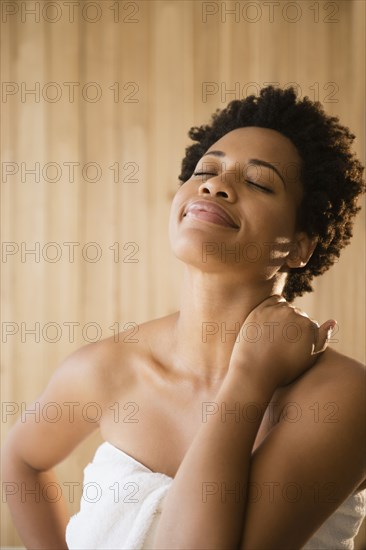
(118, 84)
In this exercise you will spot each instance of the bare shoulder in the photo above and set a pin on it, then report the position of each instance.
(332, 391)
(329, 399)
(115, 364)
(88, 370)
(334, 376)
(73, 402)
(340, 363)
(316, 445)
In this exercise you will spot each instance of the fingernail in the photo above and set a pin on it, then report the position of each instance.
(330, 329)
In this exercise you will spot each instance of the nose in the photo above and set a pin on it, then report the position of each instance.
(218, 186)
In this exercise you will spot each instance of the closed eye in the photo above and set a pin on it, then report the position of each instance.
(204, 174)
(261, 187)
(264, 189)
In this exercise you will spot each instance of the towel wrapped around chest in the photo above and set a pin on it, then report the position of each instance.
(122, 502)
(120, 505)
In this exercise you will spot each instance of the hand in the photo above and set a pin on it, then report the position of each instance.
(287, 343)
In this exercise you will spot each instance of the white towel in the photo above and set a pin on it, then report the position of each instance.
(122, 502)
(120, 505)
(339, 530)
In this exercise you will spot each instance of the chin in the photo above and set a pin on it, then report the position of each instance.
(198, 248)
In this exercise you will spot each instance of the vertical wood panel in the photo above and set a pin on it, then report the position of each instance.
(62, 196)
(99, 222)
(135, 188)
(64, 278)
(168, 52)
(8, 48)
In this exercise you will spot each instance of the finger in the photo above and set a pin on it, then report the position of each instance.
(322, 335)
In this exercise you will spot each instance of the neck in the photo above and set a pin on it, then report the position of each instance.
(213, 310)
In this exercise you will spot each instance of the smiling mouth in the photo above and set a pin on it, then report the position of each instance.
(211, 213)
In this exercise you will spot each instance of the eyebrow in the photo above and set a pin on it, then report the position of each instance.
(256, 162)
(215, 153)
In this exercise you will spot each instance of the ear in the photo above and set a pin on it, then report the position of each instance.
(301, 250)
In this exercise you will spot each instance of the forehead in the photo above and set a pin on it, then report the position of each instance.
(252, 142)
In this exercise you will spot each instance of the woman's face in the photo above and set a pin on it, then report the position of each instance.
(253, 174)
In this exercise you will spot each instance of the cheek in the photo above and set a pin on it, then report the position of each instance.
(284, 213)
(181, 197)
(273, 222)
(175, 209)
(172, 222)
(291, 214)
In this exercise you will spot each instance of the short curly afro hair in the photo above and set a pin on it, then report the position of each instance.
(331, 175)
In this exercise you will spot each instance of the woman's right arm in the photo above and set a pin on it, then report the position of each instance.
(43, 436)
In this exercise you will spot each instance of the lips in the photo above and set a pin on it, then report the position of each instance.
(210, 211)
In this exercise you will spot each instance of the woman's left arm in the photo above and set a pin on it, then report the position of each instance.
(224, 497)
(311, 461)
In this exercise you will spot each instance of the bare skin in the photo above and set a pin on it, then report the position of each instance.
(172, 370)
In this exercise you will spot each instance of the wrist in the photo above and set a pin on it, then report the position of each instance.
(248, 384)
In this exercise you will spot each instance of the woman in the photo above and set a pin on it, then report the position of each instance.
(224, 447)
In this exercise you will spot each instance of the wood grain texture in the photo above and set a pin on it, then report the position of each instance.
(172, 64)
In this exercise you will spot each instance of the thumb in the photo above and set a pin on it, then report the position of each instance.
(323, 335)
